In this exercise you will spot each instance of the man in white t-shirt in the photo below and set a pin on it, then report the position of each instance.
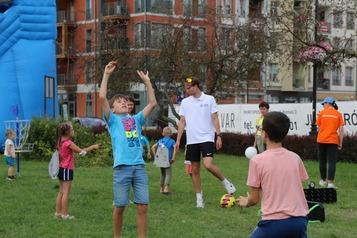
(199, 115)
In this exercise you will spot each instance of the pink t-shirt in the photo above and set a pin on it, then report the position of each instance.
(66, 155)
(279, 174)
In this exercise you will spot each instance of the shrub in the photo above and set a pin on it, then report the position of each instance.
(43, 134)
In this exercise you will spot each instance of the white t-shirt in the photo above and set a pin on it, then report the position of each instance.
(12, 147)
(198, 115)
(279, 174)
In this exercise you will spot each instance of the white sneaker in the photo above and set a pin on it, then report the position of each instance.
(323, 183)
(200, 203)
(331, 185)
(230, 188)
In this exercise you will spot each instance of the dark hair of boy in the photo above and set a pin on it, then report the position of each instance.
(264, 104)
(276, 125)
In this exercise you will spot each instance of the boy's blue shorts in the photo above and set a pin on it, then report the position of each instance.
(293, 227)
(126, 176)
(10, 161)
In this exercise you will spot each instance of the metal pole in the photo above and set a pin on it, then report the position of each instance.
(314, 82)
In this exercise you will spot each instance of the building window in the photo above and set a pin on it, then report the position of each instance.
(89, 105)
(161, 6)
(196, 8)
(202, 36)
(88, 40)
(337, 19)
(336, 42)
(274, 8)
(242, 8)
(157, 6)
(226, 40)
(157, 35)
(273, 72)
(349, 76)
(89, 72)
(88, 9)
(224, 7)
(67, 104)
(137, 36)
(194, 39)
(350, 44)
(141, 35)
(336, 77)
(350, 21)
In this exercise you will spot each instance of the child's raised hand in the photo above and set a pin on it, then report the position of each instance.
(109, 68)
(144, 77)
(96, 146)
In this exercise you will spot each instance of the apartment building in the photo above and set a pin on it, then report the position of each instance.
(82, 38)
(338, 26)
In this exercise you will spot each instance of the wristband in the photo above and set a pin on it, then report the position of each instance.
(219, 135)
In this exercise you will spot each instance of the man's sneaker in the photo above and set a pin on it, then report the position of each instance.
(230, 188)
(331, 185)
(323, 183)
(200, 203)
(9, 178)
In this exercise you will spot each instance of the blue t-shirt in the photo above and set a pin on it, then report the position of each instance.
(168, 143)
(125, 133)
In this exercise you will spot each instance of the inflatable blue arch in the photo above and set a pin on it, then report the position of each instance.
(27, 60)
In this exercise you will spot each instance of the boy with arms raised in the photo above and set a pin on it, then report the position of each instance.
(277, 175)
(129, 166)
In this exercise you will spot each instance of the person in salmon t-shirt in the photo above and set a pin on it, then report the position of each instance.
(329, 140)
(276, 175)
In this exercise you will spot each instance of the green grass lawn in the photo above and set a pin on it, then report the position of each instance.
(27, 204)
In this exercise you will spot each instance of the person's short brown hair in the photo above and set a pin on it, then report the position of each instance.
(116, 97)
(193, 82)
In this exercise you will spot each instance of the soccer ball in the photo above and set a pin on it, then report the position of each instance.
(250, 152)
(227, 200)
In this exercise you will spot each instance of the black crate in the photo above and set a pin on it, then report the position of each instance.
(323, 195)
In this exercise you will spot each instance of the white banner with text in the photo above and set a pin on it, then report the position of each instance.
(240, 118)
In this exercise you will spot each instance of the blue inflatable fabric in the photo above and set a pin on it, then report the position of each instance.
(27, 54)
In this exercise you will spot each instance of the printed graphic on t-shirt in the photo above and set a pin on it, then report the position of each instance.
(131, 132)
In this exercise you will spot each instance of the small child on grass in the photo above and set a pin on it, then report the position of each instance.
(9, 154)
(166, 173)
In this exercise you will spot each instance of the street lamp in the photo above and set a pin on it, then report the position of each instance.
(314, 80)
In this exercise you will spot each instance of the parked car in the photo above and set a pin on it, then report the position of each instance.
(89, 121)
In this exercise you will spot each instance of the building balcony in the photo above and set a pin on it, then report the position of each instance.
(66, 17)
(64, 52)
(115, 9)
(66, 83)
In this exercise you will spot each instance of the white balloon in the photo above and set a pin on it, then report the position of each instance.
(250, 152)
